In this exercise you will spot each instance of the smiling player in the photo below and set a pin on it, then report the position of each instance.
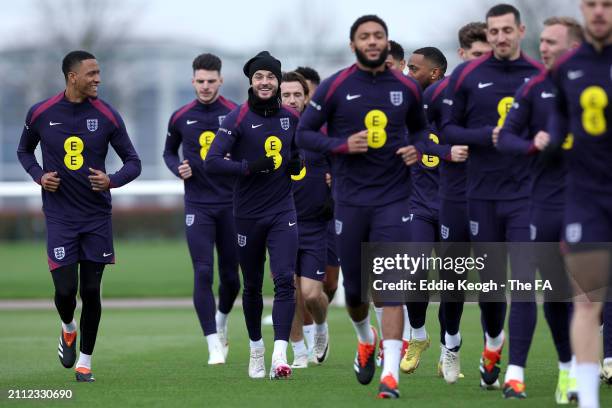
(75, 129)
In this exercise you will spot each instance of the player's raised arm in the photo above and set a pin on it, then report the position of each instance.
(217, 160)
(309, 136)
(453, 126)
(125, 150)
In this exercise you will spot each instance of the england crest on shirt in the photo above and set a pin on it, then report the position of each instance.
(573, 232)
(241, 240)
(397, 97)
(444, 231)
(284, 123)
(474, 228)
(59, 253)
(221, 118)
(338, 225)
(533, 232)
(92, 125)
(189, 219)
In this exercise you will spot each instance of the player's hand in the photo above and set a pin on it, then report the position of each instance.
(99, 180)
(495, 135)
(459, 153)
(408, 154)
(295, 165)
(184, 170)
(328, 179)
(262, 165)
(50, 182)
(541, 140)
(358, 142)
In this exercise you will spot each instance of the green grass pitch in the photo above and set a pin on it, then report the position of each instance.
(157, 358)
(144, 269)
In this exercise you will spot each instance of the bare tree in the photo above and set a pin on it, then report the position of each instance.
(305, 41)
(87, 24)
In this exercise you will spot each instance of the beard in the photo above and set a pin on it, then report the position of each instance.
(363, 59)
(600, 38)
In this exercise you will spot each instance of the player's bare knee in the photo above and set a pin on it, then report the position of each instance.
(312, 296)
(587, 309)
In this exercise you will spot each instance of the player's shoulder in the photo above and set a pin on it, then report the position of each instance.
(233, 118)
(39, 107)
(532, 63)
(329, 85)
(227, 103)
(339, 75)
(568, 59)
(107, 110)
(535, 84)
(409, 83)
(176, 115)
(236, 116)
(468, 69)
(432, 92)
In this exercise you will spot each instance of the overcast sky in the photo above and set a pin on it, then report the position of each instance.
(241, 25)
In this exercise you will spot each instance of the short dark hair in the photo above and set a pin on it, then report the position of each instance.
(574, 29)
(364, 19)
(396, 50)
(310, 74)
(294, 76)
(502, 10)
(435, 56)
(471, 33)
(208, 62)
(72, 59)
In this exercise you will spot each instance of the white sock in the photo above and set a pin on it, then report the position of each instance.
(572, 372)
(565, 366)
(362, 328)
(321, 328)
(84, 361)
(452, 340)
(213, 341)
(607, 360)
(280, 350)
(495, 343)
(70, 327)
(406, 333)
(379, 313)
(515, 372)
(221, 319)
(299, 348)
(393, 351)
(588, 384)
(309, 332)
(256, 344)
(419, 334)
